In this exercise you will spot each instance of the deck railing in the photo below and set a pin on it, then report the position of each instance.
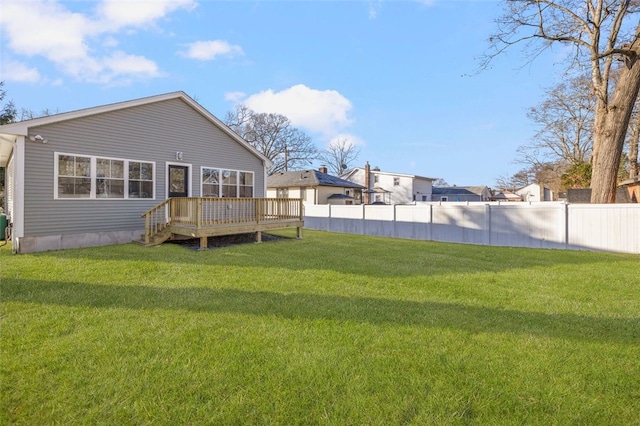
(202, 212)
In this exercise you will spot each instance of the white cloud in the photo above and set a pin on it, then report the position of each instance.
(323, 111)
(80, 45)
(19, 72)
(208, 50)
(235, 97)
(122, 13)
(350, 139)
(122, 63)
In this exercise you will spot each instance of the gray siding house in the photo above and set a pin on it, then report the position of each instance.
(84, 178)
(314, 187)
(461, 193)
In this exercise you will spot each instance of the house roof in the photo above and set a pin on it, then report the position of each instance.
(339, 197)
(307, 178)
(10, 132)
(458, 190)
(506, 195)
(350, 173)
(630, 182)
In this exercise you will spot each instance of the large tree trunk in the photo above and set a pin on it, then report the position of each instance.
(633, 148)
(611, 125)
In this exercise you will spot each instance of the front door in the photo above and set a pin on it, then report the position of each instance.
(178, 181)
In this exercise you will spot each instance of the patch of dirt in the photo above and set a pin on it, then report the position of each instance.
(226, 240)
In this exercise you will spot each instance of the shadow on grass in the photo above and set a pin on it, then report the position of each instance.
(472, 319)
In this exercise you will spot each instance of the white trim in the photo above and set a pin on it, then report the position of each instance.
(93, 177)
(22, 127)
(189, 182)
(17, 218)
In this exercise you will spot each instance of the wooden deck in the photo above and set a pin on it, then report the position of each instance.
(197, 217)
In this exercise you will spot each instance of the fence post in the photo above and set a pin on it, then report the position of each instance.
(430, 224)
(565, 225)
(395, 231)
(487, 223)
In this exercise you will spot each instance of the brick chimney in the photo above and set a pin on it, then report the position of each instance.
(323, 169)
(367, 183)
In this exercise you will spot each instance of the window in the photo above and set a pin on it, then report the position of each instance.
(210, 182)
(444, 198)
(282, 193)
(396, 181)
(376, 178)
(110, 178)
(90, 177)
(245, 184)
(226, 183)
(74, 176)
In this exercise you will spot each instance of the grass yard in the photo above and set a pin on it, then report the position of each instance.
(329, 330)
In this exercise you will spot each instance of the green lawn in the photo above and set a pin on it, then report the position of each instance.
(331, 329)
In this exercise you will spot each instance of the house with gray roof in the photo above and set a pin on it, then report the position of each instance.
(314, 187)
(390, 188)
(84, 178)
(461, 193)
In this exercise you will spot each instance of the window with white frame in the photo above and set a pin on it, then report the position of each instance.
(91, 177)
(226, 183)
(74, 176)
(396, 181)
(110, 178)
(245, 184)
(210, 182)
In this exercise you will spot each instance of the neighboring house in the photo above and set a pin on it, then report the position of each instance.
(314, 187)
(84, 178)
(506, 196)
(461, 193)
(536, 192)
(633, 188)
(390, 188)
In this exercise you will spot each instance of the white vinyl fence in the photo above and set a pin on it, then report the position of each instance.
(601, 227)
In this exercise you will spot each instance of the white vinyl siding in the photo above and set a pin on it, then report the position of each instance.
(91, 177)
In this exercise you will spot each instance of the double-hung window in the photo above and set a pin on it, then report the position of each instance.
(91, 177)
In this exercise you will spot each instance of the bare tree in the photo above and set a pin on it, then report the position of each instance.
(565, 125)
(548, 174)
(440, 182)
(339, 155)
(605, 37)
(274, 137)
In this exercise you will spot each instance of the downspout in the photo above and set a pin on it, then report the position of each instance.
(17, 217)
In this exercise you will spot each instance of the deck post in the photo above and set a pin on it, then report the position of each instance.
(259, 210)
(198, 212)
(147, 229)
(258, 236)
(204, 243)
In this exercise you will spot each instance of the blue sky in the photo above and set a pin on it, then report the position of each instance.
(397, 78)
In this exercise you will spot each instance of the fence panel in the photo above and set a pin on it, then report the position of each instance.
(610, 227)
(613, 227)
